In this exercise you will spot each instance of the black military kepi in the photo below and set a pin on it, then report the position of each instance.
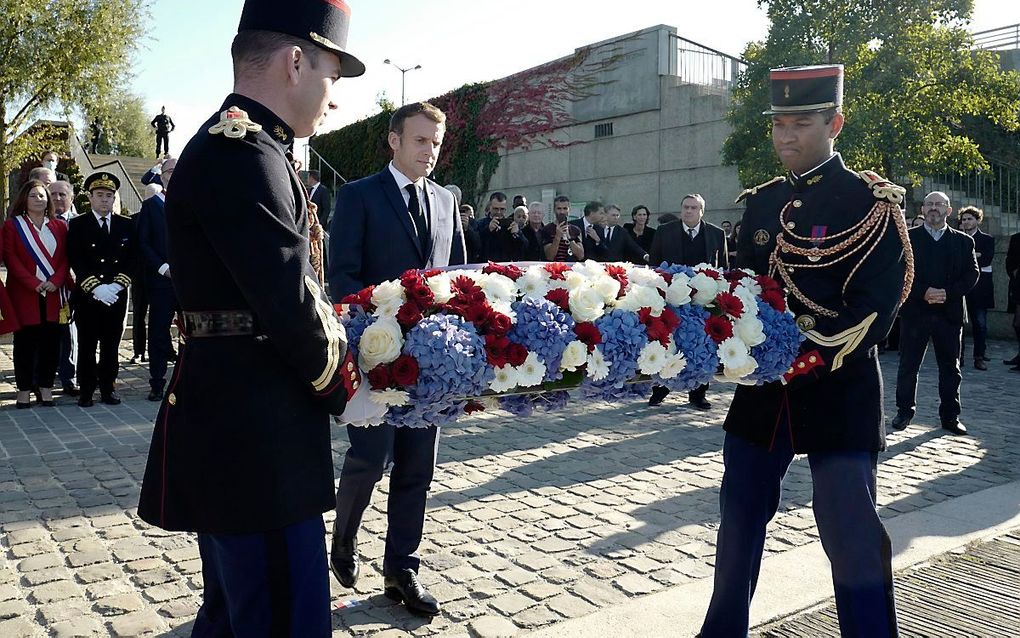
(323, 22)
(806, 89)
(108, 181)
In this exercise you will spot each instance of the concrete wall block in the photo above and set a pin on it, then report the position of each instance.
(693, 146)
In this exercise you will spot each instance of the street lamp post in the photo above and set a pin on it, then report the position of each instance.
(403, 72)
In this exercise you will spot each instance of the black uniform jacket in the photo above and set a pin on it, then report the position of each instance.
(960, 264)
(98, 257)
(982, 295)
(1013, 272)
(836, 402)
(242, 441)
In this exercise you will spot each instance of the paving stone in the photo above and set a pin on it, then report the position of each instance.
(540, 590)
(153, 577)
(553, 545)
(139, 623)
(9, 592)
(492, 627)
(97, 573)
(511, 603)
(54, 592)
(636, 585)
(119, 604)
(43, 576)
(81, 559)
(28, 535)
(597, 593)
(78, 628)
(538, 616)
(71, 534)
(570, 606)
(60, 611)
(515, 576)
(36, 548)
(13, 609)
(180, 608)
(18, 628)
(165, 592)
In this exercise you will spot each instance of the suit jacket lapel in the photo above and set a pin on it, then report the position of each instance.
(389, 186)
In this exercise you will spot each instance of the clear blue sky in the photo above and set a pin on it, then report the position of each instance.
(185, 62)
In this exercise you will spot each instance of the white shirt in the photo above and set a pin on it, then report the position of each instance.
(692, 232)
(312, 191)
(827, 160)
(100, 218)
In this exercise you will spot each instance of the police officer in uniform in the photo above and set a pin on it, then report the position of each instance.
(241, 449)
(836, 240)
(101, 251)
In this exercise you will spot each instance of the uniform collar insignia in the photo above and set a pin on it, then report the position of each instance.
(279, 133)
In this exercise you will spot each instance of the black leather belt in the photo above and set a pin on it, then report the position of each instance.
(219, 323)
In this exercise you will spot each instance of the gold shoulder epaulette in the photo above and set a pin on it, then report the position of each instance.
(882, 188)
(235, 124)
(754, 191)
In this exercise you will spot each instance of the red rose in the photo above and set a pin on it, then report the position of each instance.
(767, 283)
(509, 270)
(361, 298)
(730, 304)
(408, 315)
(379, 377)
(719, 328)
(670, 318)
(560, 297)
(478, 313)
(495, 350)
(498, 324)
(588, 334)
(516, 354)
(405, 370)
(775, 299)
(658, 331)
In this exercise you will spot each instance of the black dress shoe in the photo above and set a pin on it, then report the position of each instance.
(955, 427)
(23, 406)
(70, 390)
(172, 357)
(404, 587)
(155, 395)
(344, 563)
(1015, 368)
(1015, 361)
(901, 421)
(85, 401)
(659, 394)
(700, 403)
(38, 393)
(979, 364)
(112, 398)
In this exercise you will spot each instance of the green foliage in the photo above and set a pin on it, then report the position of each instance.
(126, 129)
(357, 150)
(58, 54)
(916, 95)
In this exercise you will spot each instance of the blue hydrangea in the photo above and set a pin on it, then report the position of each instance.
(517, 404)
(623, 338)
(355, 323)
(701, 352)
(781, 345)
(551, 401)
(544, 329)
(673, 269)
(452, 366)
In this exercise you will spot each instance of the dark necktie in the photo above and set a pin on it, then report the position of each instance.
(609, 234)
(420, 223)
(106, 229)
(690, 233)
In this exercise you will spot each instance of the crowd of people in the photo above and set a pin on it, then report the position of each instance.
(69, 278)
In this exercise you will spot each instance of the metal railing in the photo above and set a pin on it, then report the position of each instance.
(1000, 39)
(696, 63)
(998, 186)
(327, 174)
(130, 199)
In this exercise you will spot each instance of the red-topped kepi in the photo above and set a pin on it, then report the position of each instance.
(806, 89)
(323, 22)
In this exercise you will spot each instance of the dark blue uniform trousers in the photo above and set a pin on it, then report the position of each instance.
(412, 452)
(851, 531)
(162, 305)
(267, 584)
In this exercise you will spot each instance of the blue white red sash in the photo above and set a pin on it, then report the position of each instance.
(42, 258)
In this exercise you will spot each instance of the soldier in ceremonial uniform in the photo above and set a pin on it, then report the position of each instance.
(836, 240)
(101, 251)
(241, 449)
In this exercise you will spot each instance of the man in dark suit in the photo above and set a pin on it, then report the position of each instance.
(1013, 302)
(844, 292)
(319, 195)
(981, 298)
(385, 224)
(945, 271)
(691, 242)
(533, 232)
(591, 228)
(163, 125)
(241, 449)
(620, 244)
(155, 265)
(101, 251)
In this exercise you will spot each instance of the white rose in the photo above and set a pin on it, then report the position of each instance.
(574, 356)
(598, 367)
(646, 277)
(674, 366)
(439, 284)
(606, 286)
(380, 343)
(679, 291)
(706, 287)
(531, 372)
(638, 297)
(574, 280)
(750, 330)
(499, 288)
(586, 304)
(506, 379)
(589, 269)
(652, 358)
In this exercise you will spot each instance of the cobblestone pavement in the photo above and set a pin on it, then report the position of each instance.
(531, 520)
